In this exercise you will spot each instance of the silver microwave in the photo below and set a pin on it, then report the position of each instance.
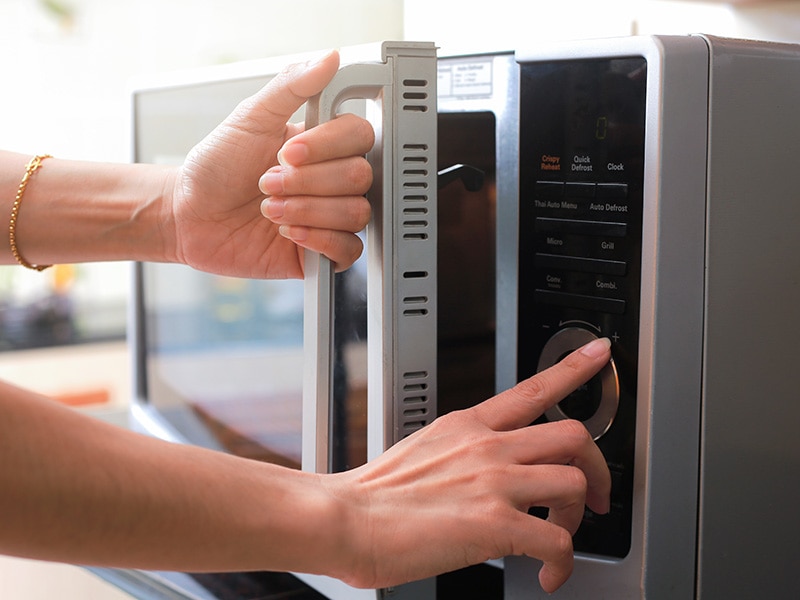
(658, 206)
(637, 188)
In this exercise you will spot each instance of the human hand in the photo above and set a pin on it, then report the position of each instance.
(315, 181)
(457, 492)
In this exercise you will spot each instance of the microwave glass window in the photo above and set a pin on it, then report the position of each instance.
(349, 395)
(225, 360)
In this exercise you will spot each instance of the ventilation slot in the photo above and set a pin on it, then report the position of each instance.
(412, 413)
(415, 387)
(416, 96)
(415, 409)
(414, 211)
(414, 184)
(411, 226)
(415, 306)
(415, 274)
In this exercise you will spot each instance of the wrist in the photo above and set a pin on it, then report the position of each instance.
(348, 531)
(297, 522)
(75, 211)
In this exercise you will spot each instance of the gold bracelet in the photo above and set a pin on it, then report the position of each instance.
(30, 169)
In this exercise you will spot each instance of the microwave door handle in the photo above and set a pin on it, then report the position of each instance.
(401, 131)
(356, 81)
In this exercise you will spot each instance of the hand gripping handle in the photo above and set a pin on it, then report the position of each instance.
(401, 256)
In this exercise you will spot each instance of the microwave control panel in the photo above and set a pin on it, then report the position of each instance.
(580, 217)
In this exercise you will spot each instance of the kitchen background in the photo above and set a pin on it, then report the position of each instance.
(67, 68)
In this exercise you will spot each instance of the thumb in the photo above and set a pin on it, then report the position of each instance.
(271, 107)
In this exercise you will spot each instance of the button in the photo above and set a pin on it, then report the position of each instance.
(614, 306)
(584, 401)
(581, 264)
(596, 404)
(611, 191)
(549, 189)
(579, 190)
(579, 227)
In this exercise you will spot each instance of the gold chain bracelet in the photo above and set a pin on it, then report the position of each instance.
(30, 169)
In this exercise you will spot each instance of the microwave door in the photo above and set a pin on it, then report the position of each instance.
(400, 312)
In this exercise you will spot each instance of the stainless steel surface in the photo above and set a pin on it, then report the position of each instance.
(662, 555)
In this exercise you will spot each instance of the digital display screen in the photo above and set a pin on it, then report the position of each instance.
(594, 114)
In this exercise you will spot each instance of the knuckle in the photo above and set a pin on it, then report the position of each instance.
(359, 175)
(359, 129)
(366, 133)
(571, 362)
(574, 479)
(533, 388)
(561, 545)
(454, 419)
(575, 431)
(360, 213)
(355, 252)
(345, 255)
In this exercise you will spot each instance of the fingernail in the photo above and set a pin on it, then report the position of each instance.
(271, 182)
(310, 64)
(293, 154)
(273, 208)
(296, 234)
(596, 347)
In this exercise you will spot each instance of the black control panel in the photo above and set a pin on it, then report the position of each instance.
(580, 217)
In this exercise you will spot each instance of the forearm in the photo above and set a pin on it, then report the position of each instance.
(78, 490)
(75, 211)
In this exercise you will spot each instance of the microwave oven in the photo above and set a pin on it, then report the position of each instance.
(637, 188)
(658, 207)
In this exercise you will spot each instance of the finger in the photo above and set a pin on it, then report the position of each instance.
(553, 575)
(340, 177)
(346, 135)
(565, 443)
(560, 488)
(549, 543)
(344, 213)
(342, 248)
(528, 400)
(270, 108)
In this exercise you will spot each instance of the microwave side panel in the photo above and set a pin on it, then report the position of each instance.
(751, 454)
(661, 559)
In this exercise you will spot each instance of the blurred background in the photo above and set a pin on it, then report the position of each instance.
(68, 66)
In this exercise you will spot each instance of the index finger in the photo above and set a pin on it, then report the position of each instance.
(529, 399)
